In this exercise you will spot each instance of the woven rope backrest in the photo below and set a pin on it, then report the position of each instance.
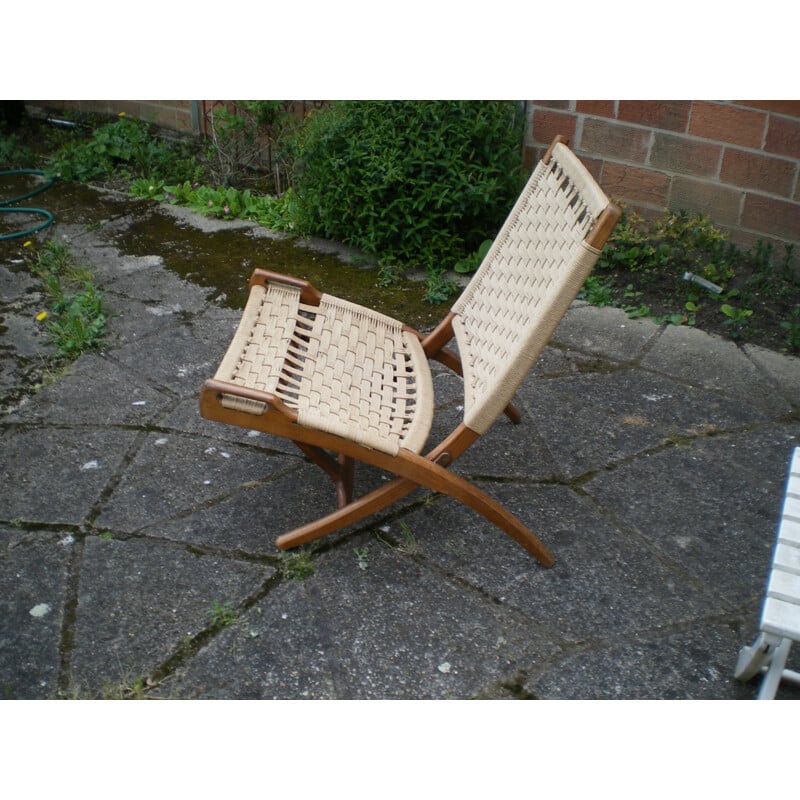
(532, 273)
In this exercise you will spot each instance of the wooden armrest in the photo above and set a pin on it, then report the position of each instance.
(308, 294)
(213, 389)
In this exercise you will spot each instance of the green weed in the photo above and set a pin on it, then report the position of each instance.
(682, 269)
(407, 544)
(75, 317)
(362, 557)
(221, 615)
(297, 565)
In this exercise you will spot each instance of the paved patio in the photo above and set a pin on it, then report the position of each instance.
(137, 539)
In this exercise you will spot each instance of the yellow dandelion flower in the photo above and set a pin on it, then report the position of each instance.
(41, 316)
(121, 114)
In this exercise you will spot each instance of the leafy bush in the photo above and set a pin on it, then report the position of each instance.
(14, 153)
(415, 182)
(125, 148)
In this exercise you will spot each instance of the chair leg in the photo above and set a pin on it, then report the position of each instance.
(766, 656)
(421, 471)
(753, 657)
(769, 686)
(340, 470)
(447, 451)
(353, 512)
(442, 480)
(344, 487)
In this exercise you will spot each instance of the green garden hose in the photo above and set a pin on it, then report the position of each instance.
(5, 209)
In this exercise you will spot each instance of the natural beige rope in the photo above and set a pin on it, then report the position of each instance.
(345, 369)
(527, 281)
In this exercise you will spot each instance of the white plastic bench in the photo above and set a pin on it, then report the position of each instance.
(780, 617)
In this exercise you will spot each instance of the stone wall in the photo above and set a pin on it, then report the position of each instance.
(736, 161)
(176, 115)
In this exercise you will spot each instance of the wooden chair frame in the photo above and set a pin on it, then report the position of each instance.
(236, 403)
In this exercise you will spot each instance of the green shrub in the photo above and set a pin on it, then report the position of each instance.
(415, 182)
(127, 149)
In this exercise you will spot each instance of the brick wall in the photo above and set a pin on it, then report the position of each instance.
(736, 161)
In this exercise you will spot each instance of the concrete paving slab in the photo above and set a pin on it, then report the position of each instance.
(686, 665)
(605, 331)
(172, 474)
(57, 476)
(141, 602)
(614, 415)
(177, 357)
(34, 570)
(725, 535)
(706, 360)
(782, 371)
(93, 391)
(604, 581)
(249, 518)
(385, 627)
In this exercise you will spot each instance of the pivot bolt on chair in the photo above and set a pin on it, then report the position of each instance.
(348, 384)
(780, 614)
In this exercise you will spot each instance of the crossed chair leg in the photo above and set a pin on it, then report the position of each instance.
(416, 471)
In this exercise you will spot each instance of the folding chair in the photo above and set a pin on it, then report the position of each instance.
(780, 614)
(346, 383)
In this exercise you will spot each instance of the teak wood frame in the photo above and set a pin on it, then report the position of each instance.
(412, 470)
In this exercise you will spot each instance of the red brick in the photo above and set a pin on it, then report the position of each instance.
(768, 215)
(670, 115)
(548, 124)
(595, 166)
(783, 136)
(754, 171)
(611, 140)
(687, 156)
(727, 123)
(635, 185)
(720, 203)
(596, 108)
(530, 155)
(790, 107)
(563, 105)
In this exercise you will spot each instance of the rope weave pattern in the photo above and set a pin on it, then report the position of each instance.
(345, 369)
(532, 273)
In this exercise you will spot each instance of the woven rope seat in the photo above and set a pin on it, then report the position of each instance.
(345, 369)
(347, 384)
